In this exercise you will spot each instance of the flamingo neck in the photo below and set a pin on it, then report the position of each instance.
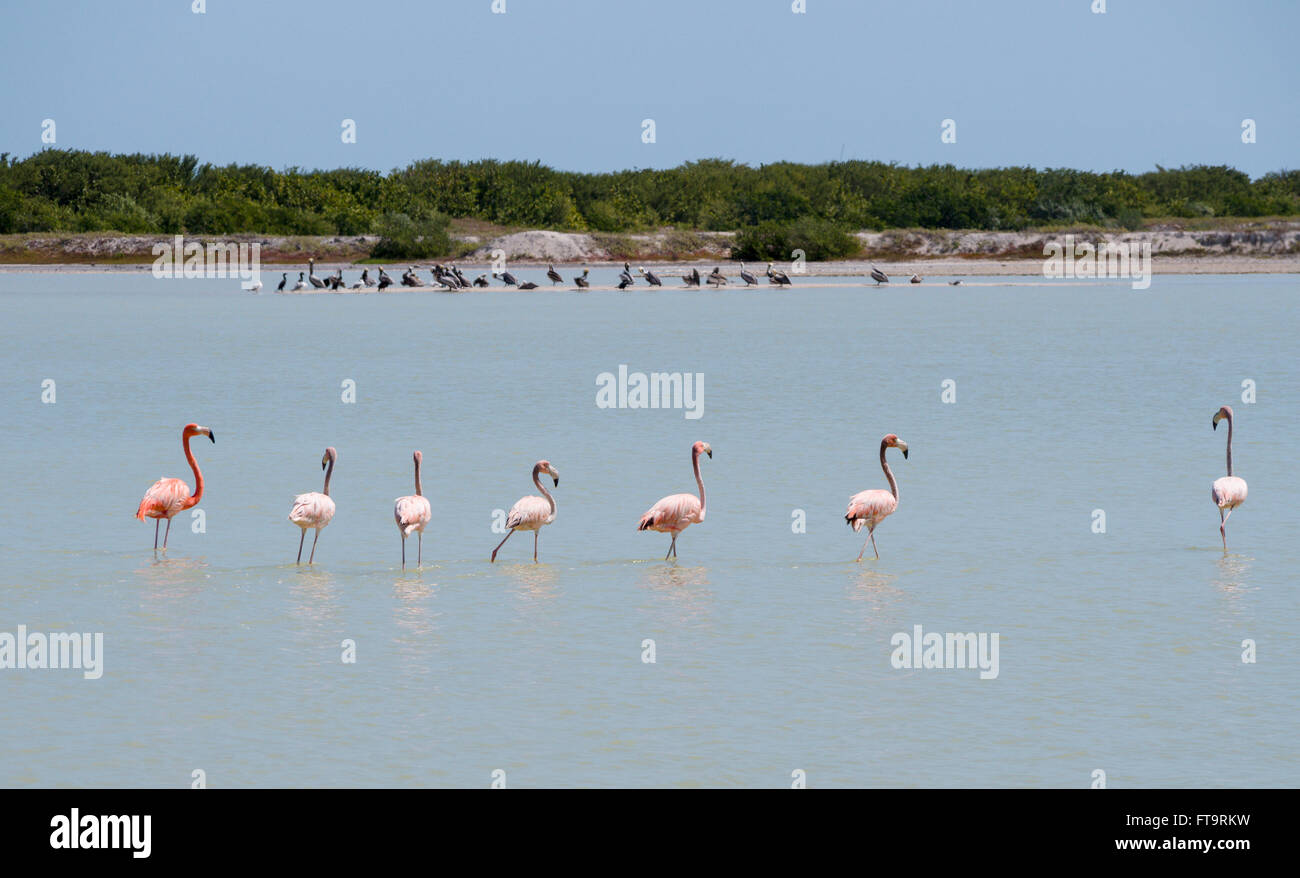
(198, 474)
(418, 492)
(545, 493)
(889, 474)
(1229, 444)
(695, 462)
(329, 471)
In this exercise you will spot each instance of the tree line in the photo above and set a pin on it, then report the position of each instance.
(76, 191)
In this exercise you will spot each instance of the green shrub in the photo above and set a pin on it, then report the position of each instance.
(818, 239)
(401, 237)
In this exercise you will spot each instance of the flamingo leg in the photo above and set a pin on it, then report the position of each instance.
(672, 548)
(864, 547)
(312, 558)
(403, 551)
(300, 542)
(167, 533)
(1223, 528)
(500, 544)
(536, 534)
(872, 533)
(419, 548)
(158, 521)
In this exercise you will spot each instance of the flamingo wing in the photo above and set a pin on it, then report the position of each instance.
(312, 510)
(676, 512)
(412, 513)
(165, 498)
(869, 508)
(529, 513)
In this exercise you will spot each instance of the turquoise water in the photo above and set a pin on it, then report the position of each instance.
(1118, 651)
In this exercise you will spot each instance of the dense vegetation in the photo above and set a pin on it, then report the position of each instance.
(776, 207)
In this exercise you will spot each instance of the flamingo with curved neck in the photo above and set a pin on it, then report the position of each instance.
(676, 512)
(166, 497)
(313, 510)
(532, 512)
(1228, 492)
(869, 508)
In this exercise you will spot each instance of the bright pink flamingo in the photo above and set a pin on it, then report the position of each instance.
(170, 496)
(676, 512)
(1228, 492)
(532, 512)
(412, 513)
(874, 506)
(315, 510)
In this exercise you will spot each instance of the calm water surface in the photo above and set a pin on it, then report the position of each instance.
(1119, 651)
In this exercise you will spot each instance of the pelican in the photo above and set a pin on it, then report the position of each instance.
(717, 278)
(311, 274)
(553, 275)
(365, 278)
(581, 280)
(528, 285)
(692, 277)
(954, 283)
(481, 281)
(627, 273)
(507, 278)
(747, 277)
(410, 279)
(650, 278)
(624, 281)
(916, 279)
(777, 277)
(464, 281)
(879, 276)
(384, 279)
(301, 284)
(284, 279)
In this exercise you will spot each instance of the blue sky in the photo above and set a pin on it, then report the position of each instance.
(568, 82)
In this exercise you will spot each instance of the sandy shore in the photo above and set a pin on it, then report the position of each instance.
(899, 270)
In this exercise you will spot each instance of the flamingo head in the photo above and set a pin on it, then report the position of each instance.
(196, 430)
(330, 456)
(418, 457)
(892, 441)
(544, 466)
(702, 448)
(1224, 412)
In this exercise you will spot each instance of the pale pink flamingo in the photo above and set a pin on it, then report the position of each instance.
(1228, 492)
(532, 512)
(412, 513)
(170, 496)
(314, 510)
(676, 512)
(874, 506)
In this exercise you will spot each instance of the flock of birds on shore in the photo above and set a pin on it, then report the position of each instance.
(672, 514)
(451, 278)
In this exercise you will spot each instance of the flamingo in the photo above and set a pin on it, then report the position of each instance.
(169, 496)
(314, 510)
(1228, 492)
(412, 513)
(532, 512)
(874, 506)
(676, 512)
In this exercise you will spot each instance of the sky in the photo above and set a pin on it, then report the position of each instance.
(1046, 83)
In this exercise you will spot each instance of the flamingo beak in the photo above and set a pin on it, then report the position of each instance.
(555, 479)
(212, 438)
(1214, 424)
(901, 446)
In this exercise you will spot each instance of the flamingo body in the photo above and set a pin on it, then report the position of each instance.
(411, 514)
(869, 508)
(164, 499)
(312, 511)
(673, 514)
(530, 513)
(1228, 492)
